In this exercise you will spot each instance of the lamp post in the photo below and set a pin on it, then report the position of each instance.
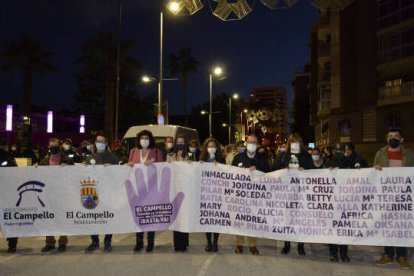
(235, 96)
(217, 72)
(148, 79)
(242, 126)
(173, 7)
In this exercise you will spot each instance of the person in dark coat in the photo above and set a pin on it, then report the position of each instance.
(102, 156)
(7, 160)
(253, 160)
(345, 158)
(296, 157)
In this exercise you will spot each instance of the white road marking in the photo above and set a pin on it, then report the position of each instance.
(206, 265)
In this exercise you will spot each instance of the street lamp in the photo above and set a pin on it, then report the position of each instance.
(235, 96)
(148, 79)
(173, 6)
(217, 71)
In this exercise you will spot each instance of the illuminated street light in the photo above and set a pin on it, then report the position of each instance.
(217, 71)
(147, 79)
(190, 6)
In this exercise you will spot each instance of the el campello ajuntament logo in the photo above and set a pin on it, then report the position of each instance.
(89, 194)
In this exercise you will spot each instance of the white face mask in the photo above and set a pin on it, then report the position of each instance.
(144, 143)
(211, 151)
(316, 157)
(282, 150)
(66, 147)
(251, 148)
(193, 150)
(100, 147)
(170, 145)
(88, 147)
(295, 147)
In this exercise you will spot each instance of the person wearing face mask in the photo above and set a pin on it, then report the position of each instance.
(55, 157)
(193, 151)
(180, 154)
(145, 153)
(252, 160)
(394, 154)
(85, 149)
(296, 157)
(353, 160)
(210, 152)
(168, 147)
(6, 160)
(70, 152)
(317, 159)
(102, 156)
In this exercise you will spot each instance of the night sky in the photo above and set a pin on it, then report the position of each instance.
(263, 49)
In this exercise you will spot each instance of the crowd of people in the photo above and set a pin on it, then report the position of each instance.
(247, 154)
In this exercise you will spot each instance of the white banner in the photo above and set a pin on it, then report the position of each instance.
(364, 207)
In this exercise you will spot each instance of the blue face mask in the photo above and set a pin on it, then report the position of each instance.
(100, 147)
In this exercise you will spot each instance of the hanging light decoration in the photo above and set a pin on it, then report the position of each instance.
(278, 4)
(331, 5)
(190, 6)
(228, 10)
(235, 10)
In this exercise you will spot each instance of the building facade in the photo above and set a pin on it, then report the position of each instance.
(362, 66)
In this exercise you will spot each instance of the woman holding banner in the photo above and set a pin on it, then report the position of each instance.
(145, 153)
(296, 157)
(180, 154)
(211, 152)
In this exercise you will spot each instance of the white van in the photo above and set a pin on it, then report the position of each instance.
(159, 132)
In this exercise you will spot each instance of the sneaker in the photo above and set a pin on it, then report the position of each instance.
(403, 263)
(92, 247)
(47, 248)
(61, 248)
(385, 260)
(108, 247)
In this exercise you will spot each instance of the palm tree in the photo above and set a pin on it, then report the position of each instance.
(99, 53)
(26, 55)
(181, 65)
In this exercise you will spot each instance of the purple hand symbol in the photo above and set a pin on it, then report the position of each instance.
(151, 208)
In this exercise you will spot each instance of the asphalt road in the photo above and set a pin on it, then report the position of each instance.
(164, 261)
